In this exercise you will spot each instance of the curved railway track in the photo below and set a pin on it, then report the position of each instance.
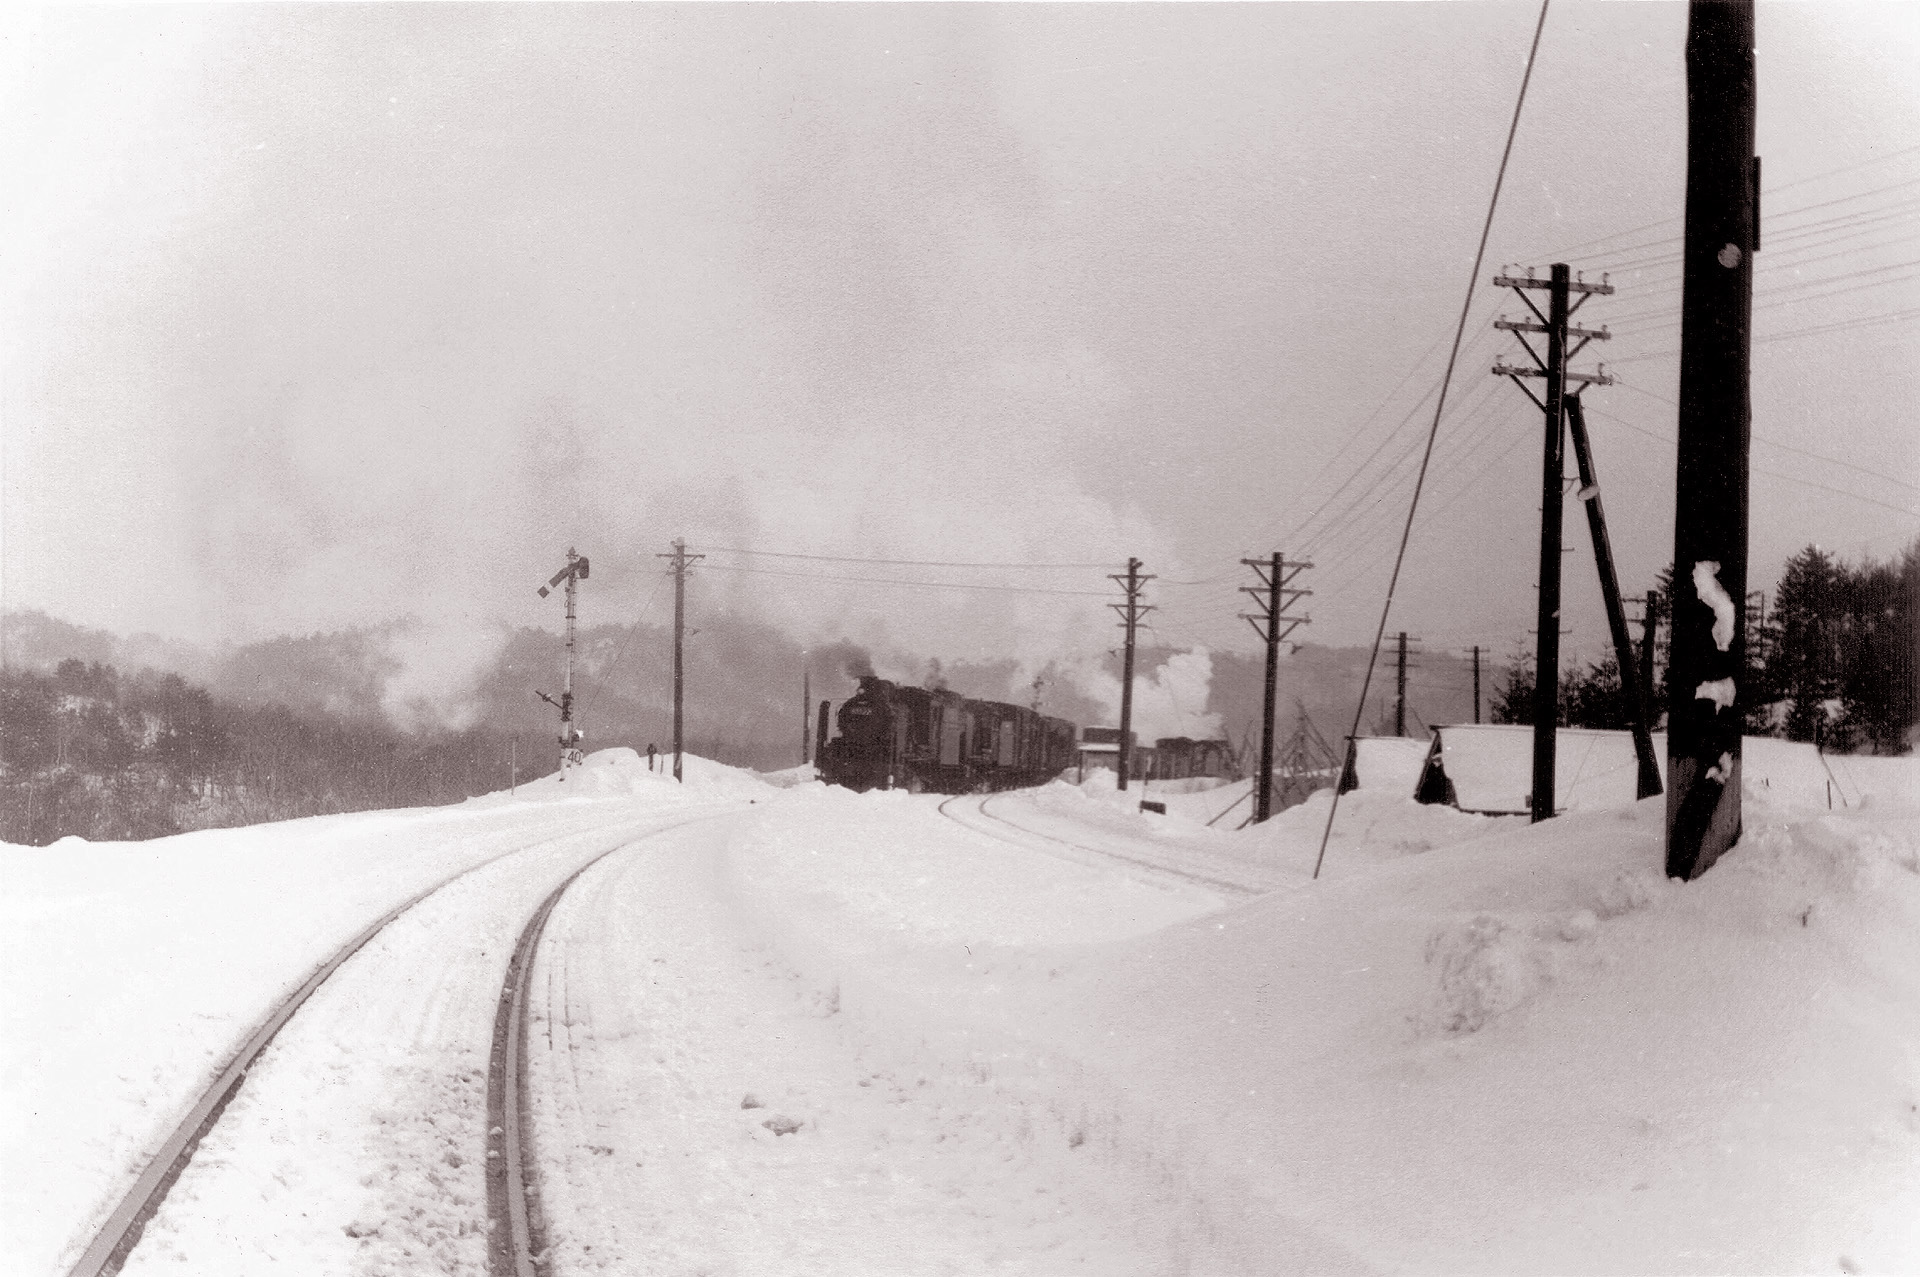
(1155, 866)
(513, 1244)
(513, 1250)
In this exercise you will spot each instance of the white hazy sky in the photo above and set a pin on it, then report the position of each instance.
(316, 315)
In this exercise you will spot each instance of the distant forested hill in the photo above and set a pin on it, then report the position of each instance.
(88, 750)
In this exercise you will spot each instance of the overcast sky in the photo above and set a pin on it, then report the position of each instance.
(320, 316)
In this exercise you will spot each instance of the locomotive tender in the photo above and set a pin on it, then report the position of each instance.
(894, 737)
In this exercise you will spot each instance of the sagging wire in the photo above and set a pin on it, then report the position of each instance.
(1439, 407)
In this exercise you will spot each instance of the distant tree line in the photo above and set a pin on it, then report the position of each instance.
(1833, 661)
(88, 750)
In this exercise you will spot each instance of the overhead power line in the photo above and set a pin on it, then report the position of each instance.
(911, 563)
(1776, 474)
(918, 585)
(1775, 443)
(1771, 219)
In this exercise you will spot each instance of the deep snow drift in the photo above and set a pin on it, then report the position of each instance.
(1473, 1045)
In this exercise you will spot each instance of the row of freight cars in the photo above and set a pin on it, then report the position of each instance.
(920, 739)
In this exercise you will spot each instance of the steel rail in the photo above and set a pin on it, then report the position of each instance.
(513, 1245)
(1219, 883)
(115, 1239)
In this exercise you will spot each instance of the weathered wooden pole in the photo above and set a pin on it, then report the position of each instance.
(1632, 690)
(1130, 614)
(1546, 674)
(1274, 581)
(1708, 645)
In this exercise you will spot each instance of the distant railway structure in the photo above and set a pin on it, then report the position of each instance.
(572, 574)
(1168, 758)
(1182, 758)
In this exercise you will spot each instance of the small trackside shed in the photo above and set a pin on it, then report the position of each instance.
(1388, 763)
(1488, 769)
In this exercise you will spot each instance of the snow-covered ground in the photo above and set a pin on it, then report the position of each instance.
(781, 1029)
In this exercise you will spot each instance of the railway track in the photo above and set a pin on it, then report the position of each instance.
(990, 824)
(514, 1242)
(513, 1250)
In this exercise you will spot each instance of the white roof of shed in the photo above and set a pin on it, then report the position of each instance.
(1491, 767)
(1390, 763)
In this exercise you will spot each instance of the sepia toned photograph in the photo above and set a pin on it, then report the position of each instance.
(946, 639)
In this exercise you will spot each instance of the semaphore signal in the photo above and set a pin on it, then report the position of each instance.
(570, 736)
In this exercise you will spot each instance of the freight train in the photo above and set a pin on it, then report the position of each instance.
(914, 738)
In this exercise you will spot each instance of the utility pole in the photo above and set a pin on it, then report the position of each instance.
(1707, 650)
(1554, 324)
(574, 573)
(806, 704)
(1400, 688)
(1649, 627)
(680, 562)
(1276, 578)
(1476, 682)
(1632, 690)
(1130, 612)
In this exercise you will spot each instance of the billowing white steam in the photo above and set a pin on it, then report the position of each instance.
(1169, 701)
(438, 666)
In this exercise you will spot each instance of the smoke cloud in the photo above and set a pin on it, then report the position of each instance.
(434, 669)
(1170, 701)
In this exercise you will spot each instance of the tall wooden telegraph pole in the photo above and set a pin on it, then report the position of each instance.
(679, 562)
(1130, 614)
(1707, 652)
(1560, 287)
(1276, 581)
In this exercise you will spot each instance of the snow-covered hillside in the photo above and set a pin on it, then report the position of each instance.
(819, 1032)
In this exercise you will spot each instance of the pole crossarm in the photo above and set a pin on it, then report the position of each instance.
(1601, 378)
(1533, 281)
(1522, 326)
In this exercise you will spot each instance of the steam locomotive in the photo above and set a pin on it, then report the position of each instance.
(914, 738)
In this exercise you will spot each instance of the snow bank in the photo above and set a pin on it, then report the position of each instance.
(1374, 826)
(1474, 1045)
(1895, 780)
(1190, 803)
(621, 772)
(1532, 1052)
(787, 778)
